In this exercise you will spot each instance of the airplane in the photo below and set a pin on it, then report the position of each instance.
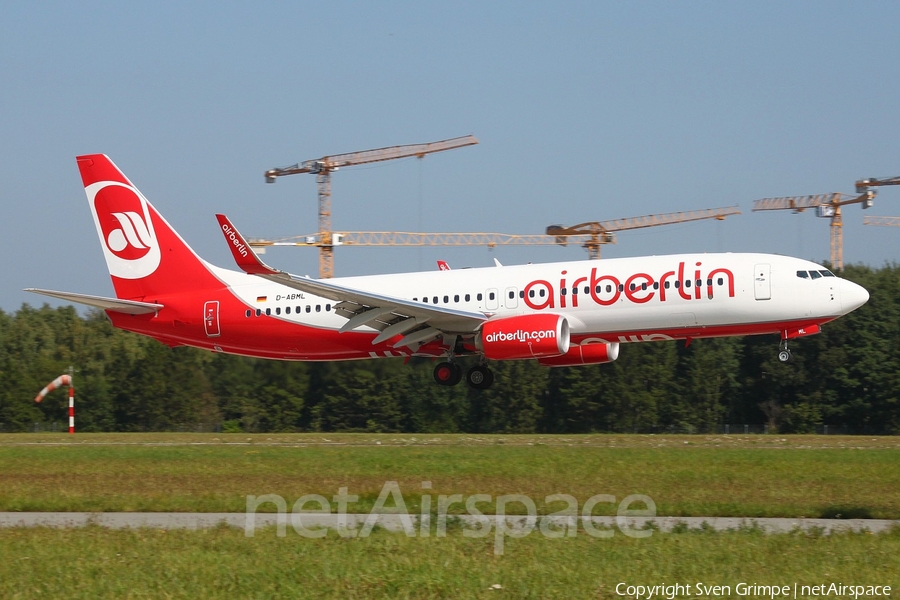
(562, 314)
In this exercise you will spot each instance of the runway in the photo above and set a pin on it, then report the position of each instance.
(396, 522)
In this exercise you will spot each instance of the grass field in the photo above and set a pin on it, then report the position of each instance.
(749, 476)
(222, 563)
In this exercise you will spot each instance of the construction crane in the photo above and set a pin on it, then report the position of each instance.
(590, 235)
(864, 184)
(827, 206)
(601, 232)
(323, 167)
(882, 221)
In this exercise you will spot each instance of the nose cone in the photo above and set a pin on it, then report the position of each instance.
(852, 296)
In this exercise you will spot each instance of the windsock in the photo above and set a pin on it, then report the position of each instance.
(56, 383)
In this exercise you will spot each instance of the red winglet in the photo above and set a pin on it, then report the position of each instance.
(243, 254)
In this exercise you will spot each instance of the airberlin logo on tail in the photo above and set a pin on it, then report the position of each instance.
(131, 236)
(122, 217)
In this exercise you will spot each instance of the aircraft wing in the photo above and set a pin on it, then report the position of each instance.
(416, 322)
(128, 307)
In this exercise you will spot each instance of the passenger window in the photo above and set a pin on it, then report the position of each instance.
(434, 299)
(512, 295)
(814, 274)
(318, 308)
(621, 287)
(268, 311)
(666, 285)
(608, 289)
(446, 299)
(531, 293)
(643, 286)
(587, 289)
(479, 296)
(277, 310)
(298, 309)
(633, 287)
(699, 282)
(468, 297)
(425, 299)
(677, 284)
(258, 312)
(709, 281)
(521, 293)
(248, 313)
(327, 308)
(542, 292)
(563, 291)
(655, 285)
(803, 274)
(308, 308)
(491, 296)
(720, 281)
(687, 283)
(574, 291)
(456, 298)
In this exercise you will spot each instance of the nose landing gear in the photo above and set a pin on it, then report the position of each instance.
(784, 354)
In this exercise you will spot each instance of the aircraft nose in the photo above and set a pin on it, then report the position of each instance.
(852, 295)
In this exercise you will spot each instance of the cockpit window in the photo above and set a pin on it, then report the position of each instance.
(803, 274)
(826, 273)
(815, 274)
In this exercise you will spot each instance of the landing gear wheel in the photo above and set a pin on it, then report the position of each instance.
(784, 355)
(479, 377)
(447, 373)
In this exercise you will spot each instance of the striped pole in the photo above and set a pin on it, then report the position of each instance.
(71, 408)
(56, 383)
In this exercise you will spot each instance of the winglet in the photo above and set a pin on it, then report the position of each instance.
(243, 254)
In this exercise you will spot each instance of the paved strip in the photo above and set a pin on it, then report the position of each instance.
(397, 522)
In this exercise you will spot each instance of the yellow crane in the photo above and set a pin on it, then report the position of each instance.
(590, 235)
(323, 167)
(827, 206)
(596, 233)
(863, 185)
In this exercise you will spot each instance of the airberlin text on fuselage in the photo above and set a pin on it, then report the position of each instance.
(638, 288)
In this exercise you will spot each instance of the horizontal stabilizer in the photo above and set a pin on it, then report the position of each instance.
(128, 307)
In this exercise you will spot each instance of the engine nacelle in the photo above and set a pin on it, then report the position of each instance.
(587, 354)
(524, 336)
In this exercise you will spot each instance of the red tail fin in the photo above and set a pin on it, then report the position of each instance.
(145, 256)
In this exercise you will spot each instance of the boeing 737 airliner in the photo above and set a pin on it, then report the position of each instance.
(562, 314)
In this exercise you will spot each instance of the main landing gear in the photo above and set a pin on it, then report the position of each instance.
(478, 377)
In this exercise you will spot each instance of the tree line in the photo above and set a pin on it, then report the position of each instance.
(846, 378)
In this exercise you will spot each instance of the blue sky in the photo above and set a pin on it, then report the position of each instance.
(585, 111)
